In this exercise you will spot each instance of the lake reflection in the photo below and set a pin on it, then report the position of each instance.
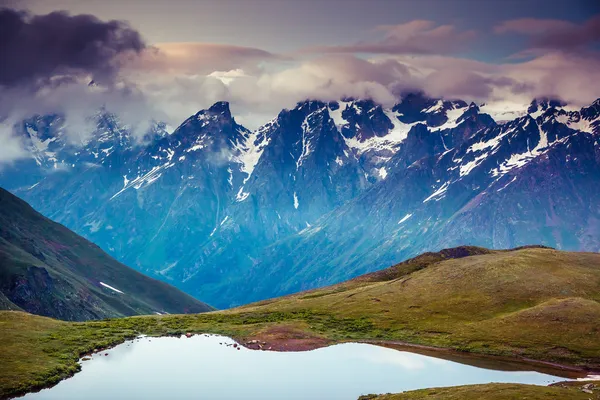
(202, 368)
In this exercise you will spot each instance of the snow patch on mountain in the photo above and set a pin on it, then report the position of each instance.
(336, 115)
(241, 195)
(251, 151)
(439, 193)
(438, 106)
(382, 172)
(465, 169)
(519, 160)
(195, 147)
(307, 127)
(309, 230)
(453, 115)
(146, 179)
(111, 288)
(505, 186)
(579, 124)
(492, 143)
(93, 225)
(406, 217)
(40, 145)
(400, 130)
(389, 142)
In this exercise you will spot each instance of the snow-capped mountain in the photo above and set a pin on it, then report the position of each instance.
(322, 192)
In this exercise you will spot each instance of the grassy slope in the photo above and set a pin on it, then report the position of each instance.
(48, 270)
(494, 391)
(537, 303)
(530, 303)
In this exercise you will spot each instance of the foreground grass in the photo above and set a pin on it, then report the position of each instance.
(536, 304)
(494, 391)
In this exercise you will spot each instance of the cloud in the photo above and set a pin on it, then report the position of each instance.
(40, 50)
(336, 76)
(532, 26)
(258, 94)
(574, 78)
(48, 61)
(171, 81)
(198, 58)
(554, 34)
(228, 76)
(464, 84)
(414, 37)
(79, 104)
(12, 148)
(326, 78)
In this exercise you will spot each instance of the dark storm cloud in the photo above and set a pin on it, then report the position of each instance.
(41, 49)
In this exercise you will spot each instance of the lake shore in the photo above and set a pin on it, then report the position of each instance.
(187, 354)
(62, 345)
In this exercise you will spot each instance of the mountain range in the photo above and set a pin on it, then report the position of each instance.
(323, 192)
(48, 270)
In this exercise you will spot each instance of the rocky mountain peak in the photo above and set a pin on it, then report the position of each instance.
(230, 204)
(543, 104)
(214, 122)
(221, 108)
(309, 106)
(592, 112)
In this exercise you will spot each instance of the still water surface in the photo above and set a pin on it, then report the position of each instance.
(210, 368)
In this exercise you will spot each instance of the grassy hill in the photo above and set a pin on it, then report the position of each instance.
(497, 391)
(535, 302)
(47, 269)
(521, 305)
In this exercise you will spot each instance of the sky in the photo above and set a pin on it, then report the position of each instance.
(285, 26)
(158, 59)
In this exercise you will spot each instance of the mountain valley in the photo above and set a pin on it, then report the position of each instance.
(46, 269)
(527, 308)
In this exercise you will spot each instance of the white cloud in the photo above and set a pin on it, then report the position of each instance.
(12, 148)
(258, 84)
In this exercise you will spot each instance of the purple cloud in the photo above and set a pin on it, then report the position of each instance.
(554, 34)
(40, 49)
(414, 37)
(197, 57)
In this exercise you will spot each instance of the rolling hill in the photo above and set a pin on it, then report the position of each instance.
(533, 305)
(531, 302)
(497, 391)
(48, 270)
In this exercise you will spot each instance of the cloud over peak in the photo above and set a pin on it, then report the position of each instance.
(199, 58)
(48, 61)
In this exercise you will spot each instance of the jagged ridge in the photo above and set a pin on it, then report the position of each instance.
(327, 191)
